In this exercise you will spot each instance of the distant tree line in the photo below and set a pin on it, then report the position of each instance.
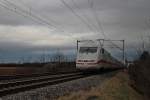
(43, 58)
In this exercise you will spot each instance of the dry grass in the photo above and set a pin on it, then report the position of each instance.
(116, 88)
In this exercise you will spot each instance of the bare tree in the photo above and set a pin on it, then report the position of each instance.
(59, 57)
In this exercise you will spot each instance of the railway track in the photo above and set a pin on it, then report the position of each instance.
(21, 76)
(25, 84)
(11, 87)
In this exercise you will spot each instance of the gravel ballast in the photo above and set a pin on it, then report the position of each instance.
(54, 91)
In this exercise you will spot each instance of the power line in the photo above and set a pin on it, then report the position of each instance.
(96, 18)
(35, 18)
(99, 22)
(76, 14)
(90, 4)
(14, 8)
(25, 13)
(84, 15)
(33, 11)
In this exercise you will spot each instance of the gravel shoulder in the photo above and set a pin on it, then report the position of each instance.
(114, 88)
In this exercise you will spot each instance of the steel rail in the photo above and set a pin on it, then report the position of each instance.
(32, 80)
(5, 78)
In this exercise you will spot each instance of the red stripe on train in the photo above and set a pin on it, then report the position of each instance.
(106, 62)
(99, 62)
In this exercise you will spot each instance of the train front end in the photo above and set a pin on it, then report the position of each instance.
(87, 56)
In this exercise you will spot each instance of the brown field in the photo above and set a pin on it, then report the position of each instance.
(7, 71)
(34, 68)
(19, 69)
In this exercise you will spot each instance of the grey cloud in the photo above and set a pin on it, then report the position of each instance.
(15, 47)
(123, 19)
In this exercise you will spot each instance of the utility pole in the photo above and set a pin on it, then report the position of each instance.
(123, 51)
(149, 43)
(77, 44)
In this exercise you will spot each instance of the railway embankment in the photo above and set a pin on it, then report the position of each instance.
(114, 88)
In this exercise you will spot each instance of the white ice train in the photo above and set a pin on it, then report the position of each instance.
(92, 56)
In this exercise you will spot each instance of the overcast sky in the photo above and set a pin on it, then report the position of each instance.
(62, 24)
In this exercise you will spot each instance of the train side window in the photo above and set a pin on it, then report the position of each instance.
(102, 50)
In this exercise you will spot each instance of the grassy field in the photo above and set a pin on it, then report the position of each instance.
(116, 88)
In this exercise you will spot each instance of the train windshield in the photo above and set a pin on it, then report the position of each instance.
(88, 50)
